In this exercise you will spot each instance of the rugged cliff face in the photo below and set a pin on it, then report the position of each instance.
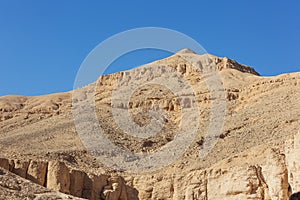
(254, 148)
(260, 173)
(57, 176)
(14, 187)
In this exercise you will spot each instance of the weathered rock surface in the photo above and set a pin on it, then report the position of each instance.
(293, 162)
(263, 177)
(57, 176)
(37, 171)
(13, 187)
(254, 157)
(20, 168)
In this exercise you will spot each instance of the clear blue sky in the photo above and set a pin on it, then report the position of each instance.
(43, 43)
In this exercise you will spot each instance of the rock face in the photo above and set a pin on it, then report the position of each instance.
(13, 187)
(20, 168)
(275, 174)
(37, 171)
(57, 176)
(271, 179)
(116, 189)
(254, 157)
(275, 178)
(76, 182)
(293, 162)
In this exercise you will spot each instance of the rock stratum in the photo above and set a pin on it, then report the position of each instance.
(256, 154)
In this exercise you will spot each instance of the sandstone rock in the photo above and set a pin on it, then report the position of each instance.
(58, 177)
(20, 168)
(98, 183)
(275, 175)
(87, 186)
(293, 162)
(11, 165)
(37, 171)
(115, 189)
(4, 163)
(236, 183)
(13, 187)
(76, 182)
(195, 184)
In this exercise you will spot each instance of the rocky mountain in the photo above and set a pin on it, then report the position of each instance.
(228, 133)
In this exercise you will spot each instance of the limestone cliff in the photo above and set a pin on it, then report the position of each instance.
(254, 157)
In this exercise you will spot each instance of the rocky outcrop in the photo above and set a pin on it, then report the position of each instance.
(275, 177)
(116, 189)
(275, 173)
(37, 171)
(76, 182)
(293, 162)
(20, 167)
(13, 187)
(228, 183)
(58, 176)
(226, 63)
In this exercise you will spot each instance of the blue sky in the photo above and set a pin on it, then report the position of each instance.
(43, 43)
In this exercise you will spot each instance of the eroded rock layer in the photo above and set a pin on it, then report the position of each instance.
(254, 157)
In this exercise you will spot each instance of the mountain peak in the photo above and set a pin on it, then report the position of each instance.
(186, 50)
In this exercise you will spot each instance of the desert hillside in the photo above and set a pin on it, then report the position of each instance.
(255, 144)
